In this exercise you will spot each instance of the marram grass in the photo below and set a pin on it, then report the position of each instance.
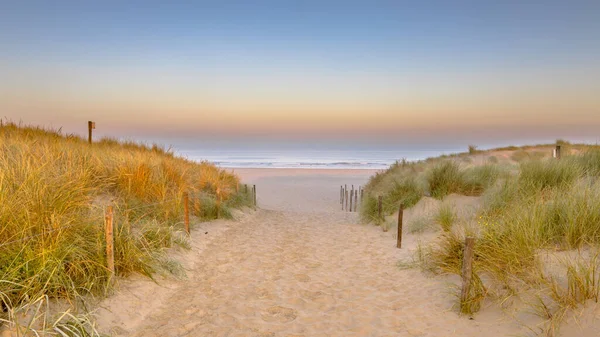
(53, 191)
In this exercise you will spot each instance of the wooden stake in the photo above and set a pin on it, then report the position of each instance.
(346, 196)
(557, 151)
(110, 248)
(467, 273)
(355, 200)
(400, 216)
(186, 212)
(246, 188)
(254, 193)
(351, 197)
(341, 194)
(91, 126)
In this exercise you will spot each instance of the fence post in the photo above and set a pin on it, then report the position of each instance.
(110, 250)
(254, 195)
(351, 197)
(341, 194)
(355, 200)
(466, 273)
(346, 197)
(91, 126)
(186, 212)
(557, 151)
(400, 216)
(246, 188)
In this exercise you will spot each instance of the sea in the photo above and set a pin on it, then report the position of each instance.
(302, 158)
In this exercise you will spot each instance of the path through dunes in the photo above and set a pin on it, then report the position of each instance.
(280, 273)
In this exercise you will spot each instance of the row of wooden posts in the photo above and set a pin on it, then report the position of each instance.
(109, 225)
(347, 198)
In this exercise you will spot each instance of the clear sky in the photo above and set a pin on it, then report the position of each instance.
(428, 72)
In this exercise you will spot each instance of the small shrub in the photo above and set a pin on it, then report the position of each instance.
(473, 149)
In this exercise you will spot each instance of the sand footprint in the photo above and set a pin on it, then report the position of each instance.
(302, 277)
(279, 314)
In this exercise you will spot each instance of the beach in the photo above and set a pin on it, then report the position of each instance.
(302, 190)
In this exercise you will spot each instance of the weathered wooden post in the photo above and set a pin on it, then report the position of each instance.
(557, 151)
(346, 197)
(355, 200)
(400, 216)
(466, 273)
(91, 126)
(186, 212)
(254, 194)
(351, 197)
(110, 248)
(246, 188)
(341, 194)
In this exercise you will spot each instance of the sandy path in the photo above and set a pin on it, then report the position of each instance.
(293, 274)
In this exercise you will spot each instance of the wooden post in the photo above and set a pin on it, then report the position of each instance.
(186, 212)
(254, 193)
(246, 188)
(467, 272)
(355, 200)
(91, 126)
(351, 197)
(361, 195)
(346, 197)
(341, 194)
(110, 247)
(400, 216)
(557, 151)
(380, 206)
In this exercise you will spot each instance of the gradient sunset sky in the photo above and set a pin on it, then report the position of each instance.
(425, 72)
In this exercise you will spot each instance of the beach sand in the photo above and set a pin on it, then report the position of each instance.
(300, 266)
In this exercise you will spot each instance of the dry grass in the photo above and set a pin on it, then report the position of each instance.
(53, 189)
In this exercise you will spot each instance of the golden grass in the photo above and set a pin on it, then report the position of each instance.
(53, 190)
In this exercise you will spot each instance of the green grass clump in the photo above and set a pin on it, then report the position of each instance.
(445, 178)
(445, 217)
(590, 162)
(538, 175)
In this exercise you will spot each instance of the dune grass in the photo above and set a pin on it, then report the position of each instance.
(540, 204)
(53, 191)
(550, 205)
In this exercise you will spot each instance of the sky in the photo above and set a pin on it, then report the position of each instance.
(418, 74)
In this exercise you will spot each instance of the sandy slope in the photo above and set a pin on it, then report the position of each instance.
(296, 269)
